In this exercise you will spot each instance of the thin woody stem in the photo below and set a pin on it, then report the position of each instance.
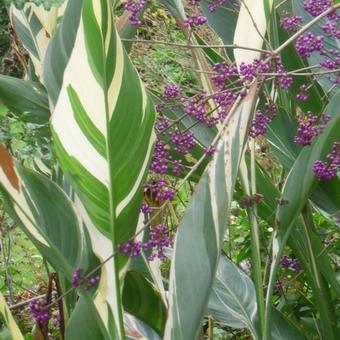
(305, 28)
(192, 46)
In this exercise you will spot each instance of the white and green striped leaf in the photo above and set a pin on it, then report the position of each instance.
(44, 212)
(102, 123)
(35, 26)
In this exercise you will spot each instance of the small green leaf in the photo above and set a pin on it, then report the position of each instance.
(25, 98)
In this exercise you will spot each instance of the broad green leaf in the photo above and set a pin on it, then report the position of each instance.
(47, 4)
(102, 123)
(25, 98)
(201, 231)
(233, 302)
(85, 323)
(59, 50)
(333, 106)
(9, 321)
(232, 299)
(44, 212)
(141, 300)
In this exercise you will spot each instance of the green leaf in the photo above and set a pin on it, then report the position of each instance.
(233, 302)
(102, 126)
(25, 98)
(142, 300)
(85, 323)
(232, 299)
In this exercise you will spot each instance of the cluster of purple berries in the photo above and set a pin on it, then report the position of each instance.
(309, 43)
(161, 159)
(290, 263)
(160, 189)
(215, 4)
(160, 238)
(316, 7)
(183, 141)
(198, 107)
(310, 126)
(145, 208)
(291, 23)
(328, 170)
(331, 29)
(250, 71)
(259, 125)
(283, 79)
(135, 7)
(171, 92)
(40, 314)
(222, 73)
(195, 21)
(302, 96)
(79, 279)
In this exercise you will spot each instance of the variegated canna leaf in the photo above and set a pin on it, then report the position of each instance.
(44, 212)
(102, 123)
(34, 26)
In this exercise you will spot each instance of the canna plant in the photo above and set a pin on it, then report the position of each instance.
(100, 211)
